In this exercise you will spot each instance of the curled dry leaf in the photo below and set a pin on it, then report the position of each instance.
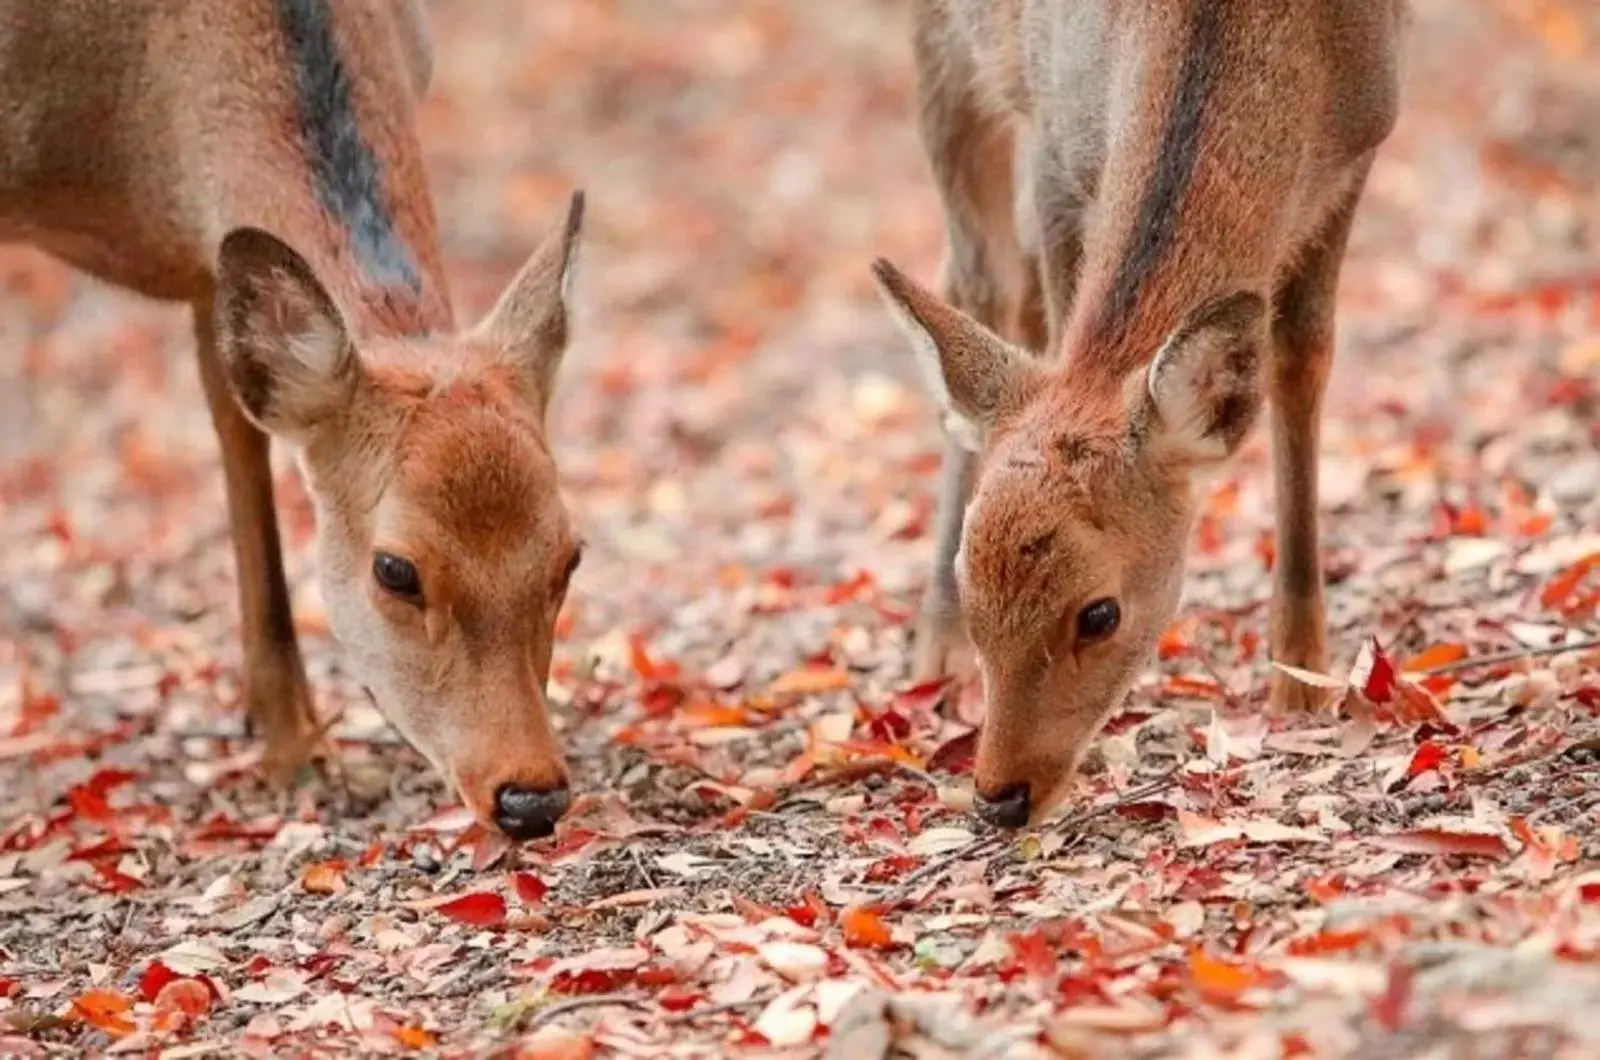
(182, 1001)
(796, 961)
(1310, 677)
(324, 877)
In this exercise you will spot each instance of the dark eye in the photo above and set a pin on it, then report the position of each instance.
(1099, 620)
(397, 575)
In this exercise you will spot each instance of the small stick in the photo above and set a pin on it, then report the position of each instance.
(1515, 655)
(716, 1010)
(982, 844)
(546, 1015)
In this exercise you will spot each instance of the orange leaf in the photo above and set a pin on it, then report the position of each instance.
(1192, 687)
(864, 929)
(811, 680)
(1436, 655)
(879, 749)
(413, 1037)
(324, 877)
(105, 1010)
(481, 909)
(182, 1000)
(712, 715)
(647, 668)
(1557, 591)
(556, 1045)
(1174, 641)
(1221, 978)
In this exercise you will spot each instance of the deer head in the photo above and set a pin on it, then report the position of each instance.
(445, 550)
(1073, 544)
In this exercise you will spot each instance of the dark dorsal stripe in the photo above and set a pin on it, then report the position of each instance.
(1180, 149)
(347, 175)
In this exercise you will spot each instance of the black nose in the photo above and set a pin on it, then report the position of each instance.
(526, 813)
(1009, 809)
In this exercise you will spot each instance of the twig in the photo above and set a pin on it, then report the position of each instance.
(1515, 655)
(726, 1006)
(985, 845)
(644, 873)
(980, 846)
(546, 1015)
(1169, 779)
(382, 739)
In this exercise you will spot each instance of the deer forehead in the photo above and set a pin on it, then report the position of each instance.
(477, 484)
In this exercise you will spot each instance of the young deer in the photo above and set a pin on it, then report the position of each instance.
(1158, 193)
(258, 160)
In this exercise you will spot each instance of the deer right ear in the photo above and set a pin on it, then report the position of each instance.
(971, 372)
(282, 341)
(528, 326)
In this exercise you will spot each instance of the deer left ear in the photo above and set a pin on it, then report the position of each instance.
(1203, 391)
(529, 323)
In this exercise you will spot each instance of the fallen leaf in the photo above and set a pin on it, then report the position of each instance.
(810, 681)
(787, 1020)
(482, 909)
(182, 1001)
(798, 962)
(1222, 978)
(1441, 841)
(414, 1037)
(324, 877)
(1309, 677)
(864, 928)
(105, 1010)
(530, 888)
(1435, 656)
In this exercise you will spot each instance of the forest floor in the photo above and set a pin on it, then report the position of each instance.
(771, 855)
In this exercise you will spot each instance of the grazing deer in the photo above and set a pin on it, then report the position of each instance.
(1156, 194)
(258, 160)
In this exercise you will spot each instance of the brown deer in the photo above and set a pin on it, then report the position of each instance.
(258, 160)
(1154, 195)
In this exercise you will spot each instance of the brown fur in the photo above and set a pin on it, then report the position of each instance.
(1168, 185)
(168, 147)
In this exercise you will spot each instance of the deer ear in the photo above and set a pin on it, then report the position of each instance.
(282, 341)
(529, 323)
(971, 372)
(1204, 388)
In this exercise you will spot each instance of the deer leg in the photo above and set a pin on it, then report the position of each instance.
(276, 694)
(987, 275)
(1303, 340)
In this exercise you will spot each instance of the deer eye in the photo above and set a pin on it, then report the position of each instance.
(397, 575)
(1099, 619)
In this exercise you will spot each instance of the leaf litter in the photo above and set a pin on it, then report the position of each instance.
(772, 854)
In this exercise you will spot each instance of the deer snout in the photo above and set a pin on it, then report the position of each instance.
(529, 813)
(1008, 808)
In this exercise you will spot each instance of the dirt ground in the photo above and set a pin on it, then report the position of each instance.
(771, 855)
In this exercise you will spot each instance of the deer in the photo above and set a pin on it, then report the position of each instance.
(1146, 206)
(259, 162)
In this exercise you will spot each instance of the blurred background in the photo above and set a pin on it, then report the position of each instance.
(737, 415)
